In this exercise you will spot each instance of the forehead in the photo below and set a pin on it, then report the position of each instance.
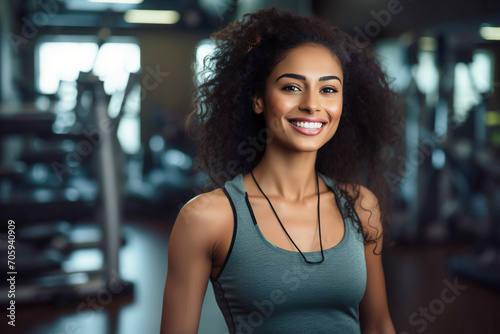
(310, 60)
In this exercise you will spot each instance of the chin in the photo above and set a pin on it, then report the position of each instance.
(307, 148)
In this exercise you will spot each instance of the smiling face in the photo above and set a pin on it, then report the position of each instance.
(302, 101)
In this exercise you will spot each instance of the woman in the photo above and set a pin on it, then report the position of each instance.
(292, 120)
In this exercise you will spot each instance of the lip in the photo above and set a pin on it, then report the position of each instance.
(305, 119)
(307, 132)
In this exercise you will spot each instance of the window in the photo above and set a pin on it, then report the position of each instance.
(60, 59)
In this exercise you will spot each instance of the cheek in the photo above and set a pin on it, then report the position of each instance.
(335, 110)
(274, 119)
(278, 107)
(275, 111)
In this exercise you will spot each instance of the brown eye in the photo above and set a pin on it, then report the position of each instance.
(291, 88)
(329, 90)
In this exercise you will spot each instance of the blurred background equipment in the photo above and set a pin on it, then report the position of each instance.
(95, 163)
(59, 172)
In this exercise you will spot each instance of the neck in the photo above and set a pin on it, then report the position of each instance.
(291, 176)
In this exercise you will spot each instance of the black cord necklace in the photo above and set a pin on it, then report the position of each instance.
(319, 222)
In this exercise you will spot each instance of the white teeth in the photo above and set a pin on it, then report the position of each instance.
(308, 125)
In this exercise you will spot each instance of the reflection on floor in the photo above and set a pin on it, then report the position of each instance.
(423, 296)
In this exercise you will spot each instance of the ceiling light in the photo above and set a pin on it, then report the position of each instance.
(490, 33)
(128, 2)
(152, 16)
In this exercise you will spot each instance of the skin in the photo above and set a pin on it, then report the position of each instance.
(202, 233)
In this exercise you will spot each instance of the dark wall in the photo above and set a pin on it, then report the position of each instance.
(172, 54)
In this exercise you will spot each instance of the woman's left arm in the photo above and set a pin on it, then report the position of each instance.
(373, 310)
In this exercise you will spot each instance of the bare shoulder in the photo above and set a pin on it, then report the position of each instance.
(191, 249)
(367, 208)
(206, 213)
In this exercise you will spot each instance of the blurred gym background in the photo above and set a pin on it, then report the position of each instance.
(94, 162)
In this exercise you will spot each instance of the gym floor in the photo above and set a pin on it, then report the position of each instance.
(424, 297)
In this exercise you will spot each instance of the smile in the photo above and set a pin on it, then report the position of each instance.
(308, 128)
(307, 125)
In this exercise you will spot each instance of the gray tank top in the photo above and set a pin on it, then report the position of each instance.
(262, 288)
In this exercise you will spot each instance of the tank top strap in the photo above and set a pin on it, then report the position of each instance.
(332, 185)
(236, 190)
(243, 218)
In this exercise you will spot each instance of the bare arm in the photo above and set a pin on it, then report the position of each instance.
(189, 268)
(374, 312)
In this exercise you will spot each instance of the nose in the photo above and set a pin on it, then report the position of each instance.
(310, 102)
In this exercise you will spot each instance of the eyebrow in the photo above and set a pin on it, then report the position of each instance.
(301, 77)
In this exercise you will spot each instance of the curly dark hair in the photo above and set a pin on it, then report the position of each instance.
(223, 121)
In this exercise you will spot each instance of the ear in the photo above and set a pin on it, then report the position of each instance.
(258, 104)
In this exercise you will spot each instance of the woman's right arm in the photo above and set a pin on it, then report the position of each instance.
(189, 268)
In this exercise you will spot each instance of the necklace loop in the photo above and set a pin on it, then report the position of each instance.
(319, 222)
